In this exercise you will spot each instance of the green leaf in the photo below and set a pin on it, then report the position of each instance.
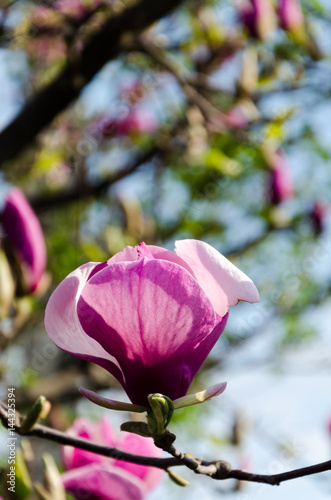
(22, 477)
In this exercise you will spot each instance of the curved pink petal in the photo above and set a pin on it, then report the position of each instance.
(223, 282)
(103, 482)
(64, 328)
(99, 432)
(162, 253)
(22, 228)
(129, 254)
(195, 358)
(149, 315)
(290, 15)
(111, 404)
(132, 443)
(281, 182)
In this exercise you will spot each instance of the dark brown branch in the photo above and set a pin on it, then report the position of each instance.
(219, 469)
(103, 46)
(276, 479)
(222, 470)
(183, 77)
(78, 192)
(59, 437)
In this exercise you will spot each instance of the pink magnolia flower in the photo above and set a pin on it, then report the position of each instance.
(290, 15)
(48, 47)
(317, 216)
(281, 183)
(242, 114)
(138, 120)
(259, 17)
(148, 316)
(90, 475)
(22, 229)
(292, 20)
(75, 9)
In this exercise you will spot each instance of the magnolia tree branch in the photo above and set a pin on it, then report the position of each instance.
(79, 70)
(183, 77)
(84, 191)
(217, 469)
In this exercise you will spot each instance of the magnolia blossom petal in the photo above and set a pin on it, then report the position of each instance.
(111, 404)
(290, 15)
(137, 445)
(63, 326)
(195, 358)
(281, 182)
(167, 315)
(129, 254)
(200, 397)
(22, 228)
(99, 431)
(162, 253)
(223, 282)
(104, 482)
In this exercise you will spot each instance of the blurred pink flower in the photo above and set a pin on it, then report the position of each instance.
(90, 475)
(281, 183)
(48, 47)
(242, 114)
(43, 19)
(317, 216)
(133, 90)
(259, 17)
(76, 9)
(22, 229)
(290, 15)
(148, 316)
(139, 120)
(329, 425)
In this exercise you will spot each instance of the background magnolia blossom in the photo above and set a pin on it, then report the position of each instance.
(90, 475)
(22, 229)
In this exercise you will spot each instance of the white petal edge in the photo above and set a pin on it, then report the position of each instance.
(200, 397)
(62, 323)
(222, 281)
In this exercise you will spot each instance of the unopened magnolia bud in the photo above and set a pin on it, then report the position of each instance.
(7, 286)
(39, 410)
(159, 416)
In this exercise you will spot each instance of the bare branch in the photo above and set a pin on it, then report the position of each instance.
(59, 437)
(78, 192)
(183, 77)
(218, 469)
(103, 46)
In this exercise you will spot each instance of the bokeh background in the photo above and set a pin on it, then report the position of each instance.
(211, 123)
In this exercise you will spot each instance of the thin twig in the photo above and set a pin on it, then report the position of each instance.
(217, 469)
(183, 77)
(59, 437)
(78, 192)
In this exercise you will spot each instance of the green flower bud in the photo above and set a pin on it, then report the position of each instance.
(160, 413)
(39, 410)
